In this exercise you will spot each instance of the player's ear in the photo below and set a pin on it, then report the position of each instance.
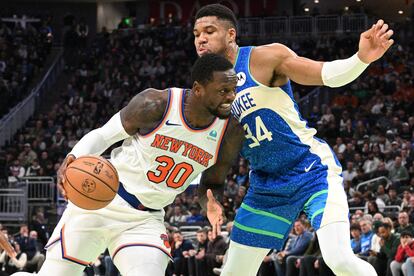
(197, 88)
(231, 35)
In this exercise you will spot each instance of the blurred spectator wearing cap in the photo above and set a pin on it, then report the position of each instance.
(27, 155)
(403, 258)
(389, 243)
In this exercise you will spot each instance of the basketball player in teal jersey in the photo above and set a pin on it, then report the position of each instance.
(291, 169)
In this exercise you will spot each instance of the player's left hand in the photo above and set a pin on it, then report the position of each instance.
(214, 213)
(375, 42)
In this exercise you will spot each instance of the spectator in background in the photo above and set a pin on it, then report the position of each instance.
(180, 253)
(215, 247)
(195, 216)
(39, 224)
(27, 156)
(389, 243)
(242, 177)
(178, 216)
(398, 172)
(35, 262)
(231, 189)
(10, 266)
(393, 198)
(371, 164)
(366, 237)
(404, 224)
(197, 262)
(405, 251)
(82, 30)
(350, 172)
(381, 195)
(16, 172)
(356, 238)
(34, 169)
(297, 248)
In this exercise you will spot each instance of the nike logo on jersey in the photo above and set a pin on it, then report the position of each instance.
(308, 168)
(168, 123)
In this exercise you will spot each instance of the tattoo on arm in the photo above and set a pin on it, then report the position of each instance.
(144, 111)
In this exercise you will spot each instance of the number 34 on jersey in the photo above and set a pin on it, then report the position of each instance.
(262, 133)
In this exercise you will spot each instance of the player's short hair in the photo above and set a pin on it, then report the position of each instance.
(219, 11)
(205, 66)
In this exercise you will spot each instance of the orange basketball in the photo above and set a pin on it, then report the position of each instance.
(91, 182)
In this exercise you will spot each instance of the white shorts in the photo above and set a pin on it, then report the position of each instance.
(83, 234)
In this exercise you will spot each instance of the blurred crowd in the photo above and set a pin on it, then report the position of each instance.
(28, 243)
(369, 125)
(23, 51)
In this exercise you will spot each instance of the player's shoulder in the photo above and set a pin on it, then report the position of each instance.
(155, 98)
(145, 109)
(273, 51)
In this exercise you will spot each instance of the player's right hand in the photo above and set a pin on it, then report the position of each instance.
(61, 174)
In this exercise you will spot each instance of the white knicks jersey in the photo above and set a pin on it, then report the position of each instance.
(157, 166)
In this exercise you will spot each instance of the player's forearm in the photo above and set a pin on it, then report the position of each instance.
(98, 140)
(342, 71)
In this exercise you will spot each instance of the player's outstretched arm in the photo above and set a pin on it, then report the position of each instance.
(372, 45)
(143, 112)
(211, 186)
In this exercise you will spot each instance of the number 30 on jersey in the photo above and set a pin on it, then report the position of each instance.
(261, 133)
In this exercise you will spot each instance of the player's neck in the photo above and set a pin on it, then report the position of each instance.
(231, 52)
(195, 114)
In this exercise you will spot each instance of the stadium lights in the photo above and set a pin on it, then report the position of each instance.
(306, 9)
(400, 12)
(346, 8)
(358, 0)
(316, 1)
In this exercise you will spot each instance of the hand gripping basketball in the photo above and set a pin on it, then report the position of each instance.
(90, 182)
(5, 245)
(61, 174)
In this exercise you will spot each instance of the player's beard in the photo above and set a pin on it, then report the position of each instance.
(216, 112)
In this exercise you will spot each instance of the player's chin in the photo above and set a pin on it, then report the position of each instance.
(223, 114)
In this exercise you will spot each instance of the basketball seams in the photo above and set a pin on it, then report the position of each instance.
(84, 171)
(73, 187)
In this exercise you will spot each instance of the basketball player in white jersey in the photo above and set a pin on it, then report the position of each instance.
(291, 169)
(170, 138)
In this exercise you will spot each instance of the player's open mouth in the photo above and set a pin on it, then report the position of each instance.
(225, 107)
